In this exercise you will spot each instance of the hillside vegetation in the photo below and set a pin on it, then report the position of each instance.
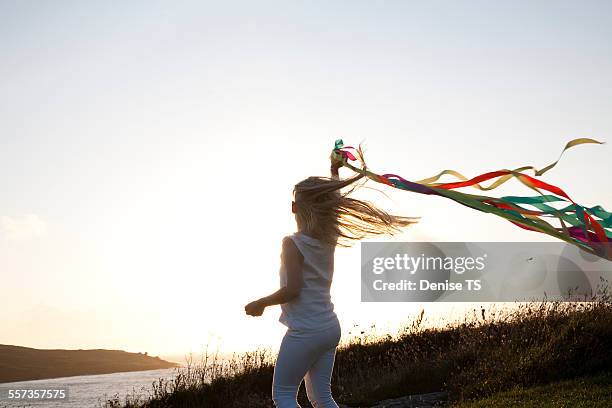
(534, 344)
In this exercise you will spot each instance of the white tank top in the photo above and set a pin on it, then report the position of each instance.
(312, 309)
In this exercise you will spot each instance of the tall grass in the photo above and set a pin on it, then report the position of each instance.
(487, 352)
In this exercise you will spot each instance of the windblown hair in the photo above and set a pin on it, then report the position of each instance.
(330, 215)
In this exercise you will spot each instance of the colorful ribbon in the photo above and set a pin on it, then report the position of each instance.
(588, 228)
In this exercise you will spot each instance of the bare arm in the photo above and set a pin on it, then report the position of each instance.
(293, 262)
(334, 169)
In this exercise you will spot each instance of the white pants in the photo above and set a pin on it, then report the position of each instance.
(305, 355)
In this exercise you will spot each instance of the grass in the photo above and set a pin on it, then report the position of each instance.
(589, 392)
(486, 354)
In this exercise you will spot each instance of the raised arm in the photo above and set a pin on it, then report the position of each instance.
(335, 165)
(293, 261)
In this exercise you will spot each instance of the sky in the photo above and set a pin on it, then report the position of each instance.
(148, 149)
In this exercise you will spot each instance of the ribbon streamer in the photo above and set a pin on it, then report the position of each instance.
(590, 229)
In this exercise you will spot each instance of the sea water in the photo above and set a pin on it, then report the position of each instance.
(87, 391)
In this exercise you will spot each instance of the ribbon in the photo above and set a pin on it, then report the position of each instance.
(590, 229)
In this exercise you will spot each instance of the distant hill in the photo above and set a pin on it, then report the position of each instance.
(23, 363)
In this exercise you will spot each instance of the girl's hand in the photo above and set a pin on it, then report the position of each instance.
(255, 308)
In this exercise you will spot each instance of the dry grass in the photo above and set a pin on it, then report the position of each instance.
(535, 343)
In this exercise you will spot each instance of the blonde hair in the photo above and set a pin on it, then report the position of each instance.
(324, 212)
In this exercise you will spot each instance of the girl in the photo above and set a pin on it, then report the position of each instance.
(325, 218)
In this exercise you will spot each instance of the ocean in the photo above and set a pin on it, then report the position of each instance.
(87, 391)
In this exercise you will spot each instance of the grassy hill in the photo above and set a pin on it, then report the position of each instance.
(499, 358)
(23, 363)
(584, 392)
